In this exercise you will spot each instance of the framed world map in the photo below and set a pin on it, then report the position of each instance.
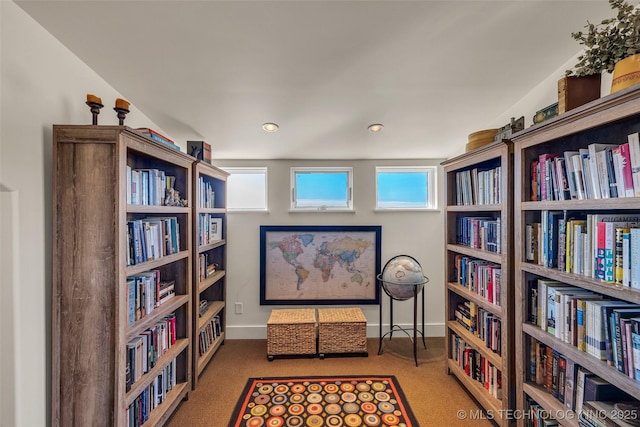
(324, 264)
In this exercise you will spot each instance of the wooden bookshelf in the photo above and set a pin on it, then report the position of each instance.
(95, 315)
(209, 194)
(607, 120)
(463, 200)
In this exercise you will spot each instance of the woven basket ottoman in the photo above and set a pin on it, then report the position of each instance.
(342, 331)
(291, 332)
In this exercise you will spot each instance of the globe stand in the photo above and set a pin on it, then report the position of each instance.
(417, 288)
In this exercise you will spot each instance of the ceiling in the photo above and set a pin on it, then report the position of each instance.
(431, 71)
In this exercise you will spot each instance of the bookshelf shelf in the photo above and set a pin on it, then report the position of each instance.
(472, 296)
(552, 405)
(609, 120)
(598, 367)
(488, 402)
(478, 187)
(157, 263)
(616, 291)
(209, 195)
(211, 280)
(212, 245)
(215, 308)
(203, 360)
(105, 311)
(475, 342)
(475, 253)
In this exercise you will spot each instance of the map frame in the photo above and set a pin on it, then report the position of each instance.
(291, 296)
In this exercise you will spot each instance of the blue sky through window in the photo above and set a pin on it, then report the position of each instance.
(322, 189)
(402, 189)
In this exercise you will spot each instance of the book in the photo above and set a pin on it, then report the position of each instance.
(546, 184)
(627, 173)
(571, 369)
(618, 163)
(635, 344)
(157, 136)
(619, 343)
(570, 173)
(598, 169)
(200, 150)
(612, 413)
(578, 175)
(581, 377)
(634, 154)
(595, 388)
(634, 256)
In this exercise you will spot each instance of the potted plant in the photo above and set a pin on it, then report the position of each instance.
(611, 45)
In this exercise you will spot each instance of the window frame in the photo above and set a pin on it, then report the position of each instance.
(320, 169)
(263, 170)
(432, 187)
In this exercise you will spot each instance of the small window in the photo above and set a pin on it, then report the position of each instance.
(321, 189)
(406, 187)
(247, 189)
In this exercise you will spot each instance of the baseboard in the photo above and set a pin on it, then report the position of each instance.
(255, 332)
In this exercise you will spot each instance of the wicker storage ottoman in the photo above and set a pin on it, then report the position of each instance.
(291, 332)
(341, 331)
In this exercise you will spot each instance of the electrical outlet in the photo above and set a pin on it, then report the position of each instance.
(239, 308)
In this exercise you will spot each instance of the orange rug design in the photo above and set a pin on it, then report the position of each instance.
(323, 401)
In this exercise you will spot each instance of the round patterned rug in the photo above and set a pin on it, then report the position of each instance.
(323, 401)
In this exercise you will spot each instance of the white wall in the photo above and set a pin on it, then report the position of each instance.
(42, 83)
(419, 234)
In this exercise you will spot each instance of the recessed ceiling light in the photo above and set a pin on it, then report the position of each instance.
(270, 127)
(377, 127)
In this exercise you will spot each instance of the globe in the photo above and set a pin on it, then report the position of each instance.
(400, 275)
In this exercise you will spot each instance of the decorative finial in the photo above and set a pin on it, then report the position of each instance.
(95, 104)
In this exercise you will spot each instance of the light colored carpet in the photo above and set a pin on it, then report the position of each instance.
(434, 396)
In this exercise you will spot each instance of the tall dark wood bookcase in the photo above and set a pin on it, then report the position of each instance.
(209, 263)
(98, 312)
(478, 187)
(607, 120)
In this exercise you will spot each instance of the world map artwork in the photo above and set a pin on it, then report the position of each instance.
(320, 265)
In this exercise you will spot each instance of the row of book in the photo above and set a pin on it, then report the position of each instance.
(152, 238)
(146, 292)
(479, 233)
(476, 366)
(148, 186)
(209, 334)
(156, 136)
(600, 171)
(210, 229)
(478, 187)
(144, 350)
(600, 246)
(478, 276)
(152, 396)
(206, 266)
(207, 195)
(537, 416)
(607, 329)
(574, 386)
(480, 323)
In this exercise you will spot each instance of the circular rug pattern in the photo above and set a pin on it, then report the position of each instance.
(315, 402)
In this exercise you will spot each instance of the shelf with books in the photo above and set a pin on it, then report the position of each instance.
(209, 261)
(478, 248)
(120, 288)
(570, 239)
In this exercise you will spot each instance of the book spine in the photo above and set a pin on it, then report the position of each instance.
(634, 151)
(634, 248)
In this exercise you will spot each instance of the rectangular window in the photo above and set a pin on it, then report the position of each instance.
(247, 189)
(321, 188)
(411, 187)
